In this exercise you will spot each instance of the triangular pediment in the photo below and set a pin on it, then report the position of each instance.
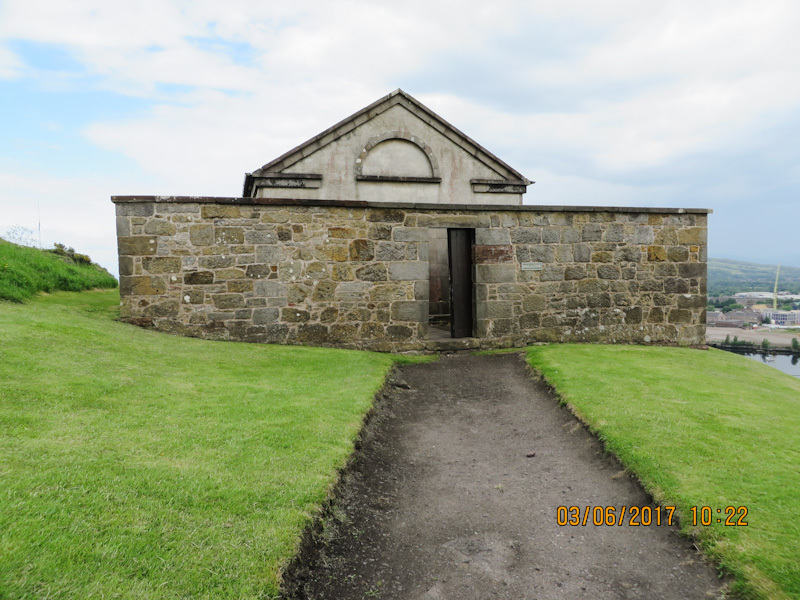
(394, 149)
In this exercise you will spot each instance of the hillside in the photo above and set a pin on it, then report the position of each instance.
(730, 276)
(25, 271)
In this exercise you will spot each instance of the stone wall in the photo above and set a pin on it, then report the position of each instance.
(355, 275)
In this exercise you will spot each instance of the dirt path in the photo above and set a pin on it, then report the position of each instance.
(444, 502)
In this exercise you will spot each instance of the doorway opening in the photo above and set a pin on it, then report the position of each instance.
(451, 291)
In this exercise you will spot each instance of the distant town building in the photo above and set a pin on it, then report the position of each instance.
(734, 318)
(783, 317)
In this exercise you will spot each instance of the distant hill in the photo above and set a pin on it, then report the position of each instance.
(726, 277)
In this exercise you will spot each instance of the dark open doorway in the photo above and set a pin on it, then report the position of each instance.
(451, 291)
(459, 251)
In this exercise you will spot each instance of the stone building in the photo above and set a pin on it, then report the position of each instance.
(394, 231)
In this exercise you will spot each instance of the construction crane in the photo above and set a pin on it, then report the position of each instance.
(775, 293)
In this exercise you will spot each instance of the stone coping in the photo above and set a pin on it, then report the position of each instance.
(401, 205)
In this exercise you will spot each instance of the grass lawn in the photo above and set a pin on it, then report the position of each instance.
(135, 464)
(700, 428)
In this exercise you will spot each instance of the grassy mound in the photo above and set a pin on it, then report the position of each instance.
(26, 271)
(135, 464)
(700, 429)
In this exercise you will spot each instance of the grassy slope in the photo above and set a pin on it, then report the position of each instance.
(139, 465)
(25, 271)
(700, 428)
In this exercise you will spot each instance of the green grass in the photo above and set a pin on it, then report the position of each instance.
(699, 428)
(26, 271)
(135, 464)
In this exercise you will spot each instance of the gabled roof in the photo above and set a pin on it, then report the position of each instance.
(284, 162)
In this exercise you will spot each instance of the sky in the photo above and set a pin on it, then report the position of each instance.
(685, 103)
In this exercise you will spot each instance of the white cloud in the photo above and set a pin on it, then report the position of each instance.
(633, 87)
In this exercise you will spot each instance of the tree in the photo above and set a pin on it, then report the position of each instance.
(766, 320)
(765, 344)
(728, 340)
(795, 345)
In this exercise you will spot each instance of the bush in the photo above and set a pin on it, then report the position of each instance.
(765, 344)
(795, 345)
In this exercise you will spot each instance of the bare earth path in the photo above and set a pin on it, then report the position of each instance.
(444, 502)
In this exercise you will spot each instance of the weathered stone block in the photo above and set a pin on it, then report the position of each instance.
(142, 286)
(362, 250)
(230, 273)
(342, 232)
(408, 270)
(263, 316)
(261, 271)
(353, 291)
(343, 333)
(642, 234)
(692, 235)
(270, 254)
(551, 235)
(160, 227)
(270, 289)
(373, 272)
(201, 235)
(228, 235)
(495, 310)
(410, 234)
(386, 292)
(223, 301)
(656, 253)
(496, 273)
(372, 331)
(290, 314)
(380, 231)
(260, 236)
(398, 333)
(552, 273)
(598, 300)
(312, 333)
(602, 256)
(543, 254)
(526, 235)
(679, 315)
(134, 209)
(324, 291)
(628, 253)
(493, 254)
(329, 314)
(492, 237)
(591, 232)
(570, 235)
(564, 253)
(692, 269)
(675, 285)
(574, 272)
(691, 301)
(456, 221)
(198, 278)
(219, 211)
(409, 310)
(275, 215)
(343, 272)
(161, 264)
(529, 321)
(194, 296)
(240, 286)
(608, 271)
(167, 308)
(385, 215)
(390, 251)
(216, 262)
(137, 245)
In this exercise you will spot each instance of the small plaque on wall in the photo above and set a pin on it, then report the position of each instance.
(531, 266)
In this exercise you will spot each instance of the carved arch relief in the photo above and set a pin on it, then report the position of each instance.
(397, 156)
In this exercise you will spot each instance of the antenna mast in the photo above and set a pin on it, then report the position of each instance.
(775, 292)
